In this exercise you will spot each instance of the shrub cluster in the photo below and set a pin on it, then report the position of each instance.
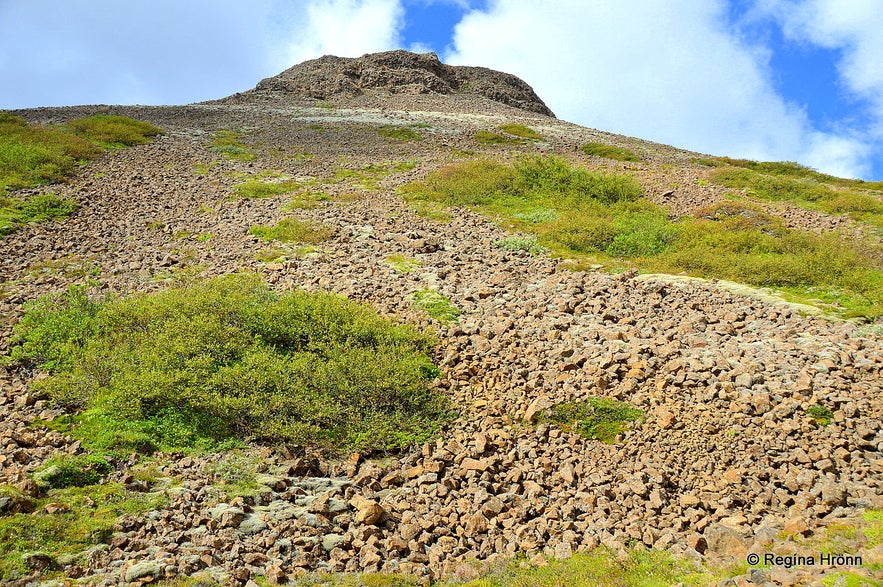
(195, 366)
(15, 212)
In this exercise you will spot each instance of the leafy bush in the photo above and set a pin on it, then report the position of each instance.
(597, 417)
(72, 471)
(820, 414)
(201, 365)
(522, 131)
(292, 230)
(37, 208)
(609, 152)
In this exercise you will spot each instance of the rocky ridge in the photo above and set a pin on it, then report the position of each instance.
(725, 463)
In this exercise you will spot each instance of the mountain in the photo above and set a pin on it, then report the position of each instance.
(644, 348)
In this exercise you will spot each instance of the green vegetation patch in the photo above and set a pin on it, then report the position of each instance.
(521, 131)
(72, 471)
(601, 217)
(258, 188)
(306, 200)
(16, 212)
(436, 305)
(402, 264)
(599, 418)
(805, 187)
(609, 152)
(33, 154)
(199, 365)
(368, 177)
(822, 415)
(229, 144)
(486, 137)
(292, 230)
(520, 243)
(400, 133)
(83, 518)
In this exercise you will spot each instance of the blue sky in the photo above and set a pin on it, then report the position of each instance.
(798, 80)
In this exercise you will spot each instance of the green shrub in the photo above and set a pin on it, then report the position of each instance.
(402, 264)
(229, 144)
(72, 471)
(597, 417)
(436, 305)
(37, 208)
(205, 364)
(609, 152)
(400, 133)
(521, 131)
(292, 230)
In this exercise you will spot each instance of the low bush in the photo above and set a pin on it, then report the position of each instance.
(521, 131)
(609, 152)
(114, 131)
(822, 415)
(201, 365)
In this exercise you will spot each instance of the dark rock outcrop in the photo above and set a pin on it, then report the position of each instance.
(396, 72)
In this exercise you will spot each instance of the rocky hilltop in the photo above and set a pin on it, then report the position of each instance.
(393, 72)
(727, 460)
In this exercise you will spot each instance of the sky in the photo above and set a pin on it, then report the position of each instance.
(782, 80)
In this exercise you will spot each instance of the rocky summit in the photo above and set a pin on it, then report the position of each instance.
(728, 458)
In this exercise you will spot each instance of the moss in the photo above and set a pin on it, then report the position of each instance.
(400, 133)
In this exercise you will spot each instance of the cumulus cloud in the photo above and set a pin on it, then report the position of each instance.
(674, 71)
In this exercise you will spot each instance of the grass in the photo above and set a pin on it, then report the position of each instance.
(486, 137)
(33, 154)
(807, 188)
(402, 264)
(368, 177)
(306, 200)
(292, 230)
(436, 305)
(602, 218)
(16, 212)
(229, 144)
(85, 519)
(211, 363)
(521, 131)
(609, 152)
(431, 210)
(257, 188)
(520, 243)
(400, 133)
(598, 418)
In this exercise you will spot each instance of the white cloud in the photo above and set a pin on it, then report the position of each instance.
(345, 28)
(673, 71)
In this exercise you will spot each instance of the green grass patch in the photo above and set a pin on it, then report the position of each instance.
(609, 152)
(257, 188)
(598, 418)
(806, 188)
(85, 519)
(520, 243)
(368, 177)
(402, 264)
(400, 133)
(225, 360)
(601, 217)
(436, 305)
(229, 144)
(521, 131)
(72, 471)
(431, 210)
(16, 212)
(486, 137)
(293, 230)
(306, 200)
(36, 154)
